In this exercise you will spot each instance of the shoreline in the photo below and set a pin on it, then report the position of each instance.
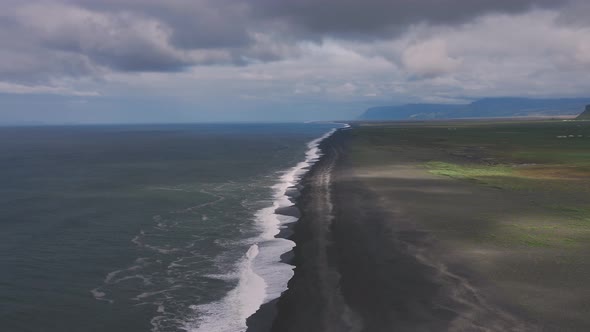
(373, 268)
(266, 267)
(264, 317)
(277, 314)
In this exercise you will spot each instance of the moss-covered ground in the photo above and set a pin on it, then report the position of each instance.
(512, 198)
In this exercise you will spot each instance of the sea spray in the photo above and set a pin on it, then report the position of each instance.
(269, 264)
(263, 276)
(230, 314)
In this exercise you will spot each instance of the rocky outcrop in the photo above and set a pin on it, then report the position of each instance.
(584, 115)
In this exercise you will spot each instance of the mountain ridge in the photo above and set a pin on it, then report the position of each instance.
(481, 108)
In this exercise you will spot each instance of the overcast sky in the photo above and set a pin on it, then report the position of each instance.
(89, 61)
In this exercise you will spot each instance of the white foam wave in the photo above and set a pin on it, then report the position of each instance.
(217, 199)
(268, 265)
(111, 276)
(263, 277)
(149, 294)
(162, 250)
(230, 314)
(144, 279)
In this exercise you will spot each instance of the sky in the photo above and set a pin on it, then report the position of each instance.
(134, 61)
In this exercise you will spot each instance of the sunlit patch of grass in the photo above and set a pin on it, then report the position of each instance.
(467, 171)
(562, 226)
(542, 235)
(559, 233)
(579, 216)
(516, 177)
(524, 158)
(498, 176)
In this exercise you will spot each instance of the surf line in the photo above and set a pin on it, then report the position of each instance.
(262, 275)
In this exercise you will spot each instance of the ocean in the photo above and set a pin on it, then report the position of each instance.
(146, 227)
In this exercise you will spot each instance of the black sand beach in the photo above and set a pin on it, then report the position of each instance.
(383, 245)
(362, 272)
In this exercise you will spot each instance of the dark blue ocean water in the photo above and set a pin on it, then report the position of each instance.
(139, 228)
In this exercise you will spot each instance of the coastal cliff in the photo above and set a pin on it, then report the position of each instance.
(584, 115)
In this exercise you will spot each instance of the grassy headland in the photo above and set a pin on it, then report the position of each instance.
(507, 201)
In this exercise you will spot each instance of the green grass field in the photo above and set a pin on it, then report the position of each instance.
(544, 163)
(509, 200)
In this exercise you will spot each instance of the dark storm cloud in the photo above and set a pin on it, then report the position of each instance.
(228, 23)
(382, 18)
(46, 39)
(195, 23)
(576, 14)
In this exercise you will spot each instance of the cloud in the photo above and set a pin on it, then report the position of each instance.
(167, 36)
(297, 51)
(194, 24)
(529, 54)
(575, 13)
(39, 89)
(372, 19)
(582, 54)
(429, 59)
(123, 41)
(43, 40)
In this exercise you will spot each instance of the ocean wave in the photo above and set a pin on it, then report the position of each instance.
(263, 276)
(179, 272)
(230, 314)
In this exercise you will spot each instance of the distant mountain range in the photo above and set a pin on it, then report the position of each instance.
(483, 108)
